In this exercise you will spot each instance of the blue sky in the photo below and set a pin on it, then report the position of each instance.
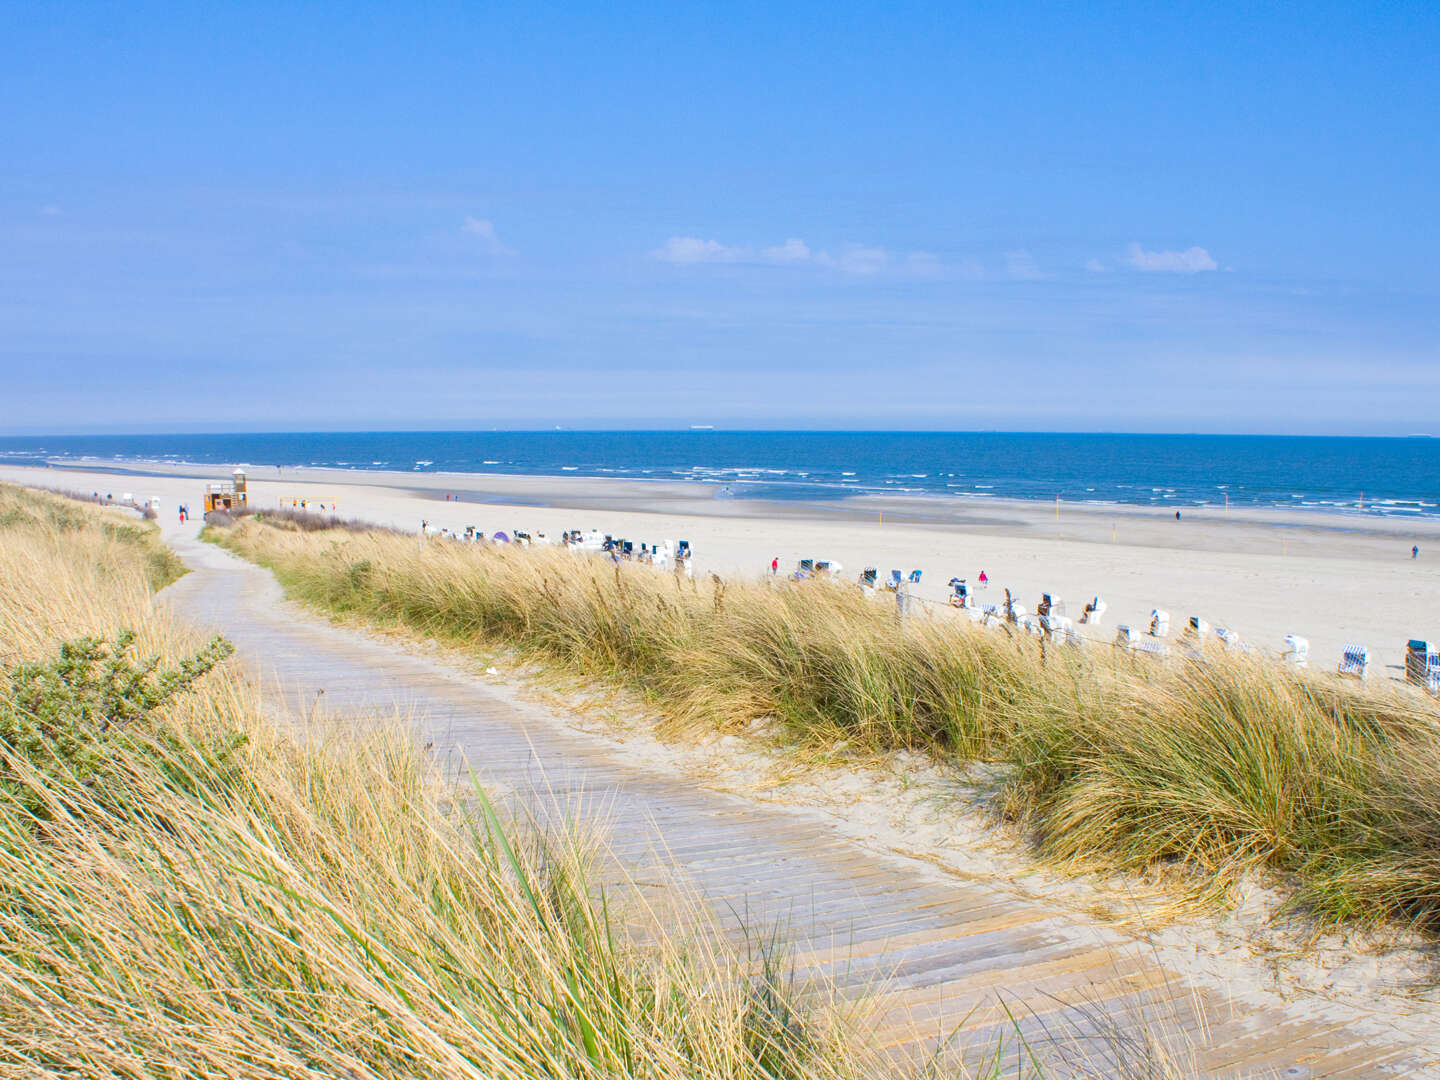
(1073, 217)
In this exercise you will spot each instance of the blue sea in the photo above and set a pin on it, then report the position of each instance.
(1386, 476)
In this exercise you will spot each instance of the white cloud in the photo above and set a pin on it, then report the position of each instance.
(688, 250)
(791, 251)
(1190, 261)
(484, 231)
(1021, 266)
(858, 259)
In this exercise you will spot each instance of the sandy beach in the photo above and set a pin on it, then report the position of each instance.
(1335, 579)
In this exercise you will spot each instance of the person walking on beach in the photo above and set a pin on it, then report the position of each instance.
(983, 579)
(775, 565)
(1415, 552)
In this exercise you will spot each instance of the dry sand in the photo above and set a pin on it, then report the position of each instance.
(1334, 579)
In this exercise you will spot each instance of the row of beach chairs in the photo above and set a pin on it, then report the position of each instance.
(1422, 658)
(870, 579)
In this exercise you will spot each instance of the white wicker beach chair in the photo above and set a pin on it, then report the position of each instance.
(1355, 661)
(1094, 611)
(1159, 623)
(1126, 637)
(1056, 626)
(1297, 651)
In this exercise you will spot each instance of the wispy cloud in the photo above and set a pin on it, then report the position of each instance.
(857, 259)
(791, 251)
(1021, 266)
(689, 250)
(1190, 261)
(484, 232)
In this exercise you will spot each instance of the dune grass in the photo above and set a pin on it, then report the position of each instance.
(1215, 768)
(188, 890)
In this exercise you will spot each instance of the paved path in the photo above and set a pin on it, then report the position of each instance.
(931, 948)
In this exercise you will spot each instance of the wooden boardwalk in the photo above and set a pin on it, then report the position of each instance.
(929, 948)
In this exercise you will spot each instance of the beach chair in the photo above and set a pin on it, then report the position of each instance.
(1197, 628)
(1126, 637)
(895, 579)
(1055, 626)
(1229, 638)
(1420, 659)
(914, 577)
(869, 577)
(1050, 604)
(1297, 651)
(1094, 611)
(1159, 623)
(959, 593)
(1355, 661)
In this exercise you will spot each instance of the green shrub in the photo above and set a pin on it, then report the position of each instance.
(60, 715)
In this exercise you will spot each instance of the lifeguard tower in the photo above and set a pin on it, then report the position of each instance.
(226, 495)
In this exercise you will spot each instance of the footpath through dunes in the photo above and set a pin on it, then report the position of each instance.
(929, 954)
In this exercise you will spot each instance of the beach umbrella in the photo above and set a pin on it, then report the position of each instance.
(501, 538)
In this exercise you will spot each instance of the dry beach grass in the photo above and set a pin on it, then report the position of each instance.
(189, 891)
(1214, 767)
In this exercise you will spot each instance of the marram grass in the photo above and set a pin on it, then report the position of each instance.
(215, 898)
(1216, 768)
